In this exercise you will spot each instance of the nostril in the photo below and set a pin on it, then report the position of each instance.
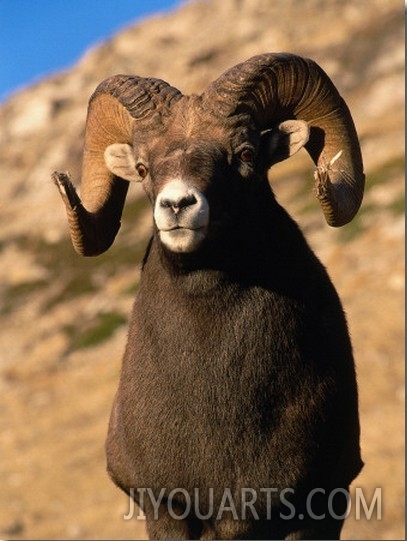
(179, 204)
(186, 201)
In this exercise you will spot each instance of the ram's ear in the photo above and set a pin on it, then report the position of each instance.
(284, 140)
(119, 159)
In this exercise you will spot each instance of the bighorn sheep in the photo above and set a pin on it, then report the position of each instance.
(236, 415)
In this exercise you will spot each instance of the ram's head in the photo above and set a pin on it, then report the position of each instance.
(193, 154)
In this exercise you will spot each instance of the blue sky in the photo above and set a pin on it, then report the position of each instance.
(40, 37)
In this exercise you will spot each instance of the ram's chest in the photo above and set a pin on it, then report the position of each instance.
(211, 373)
(207, 374)
(231, 343)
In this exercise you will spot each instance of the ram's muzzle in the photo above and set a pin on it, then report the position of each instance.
(181, 214)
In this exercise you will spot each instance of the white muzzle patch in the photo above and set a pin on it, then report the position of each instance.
(181, 214)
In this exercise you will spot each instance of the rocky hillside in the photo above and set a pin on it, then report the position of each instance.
(63, 318)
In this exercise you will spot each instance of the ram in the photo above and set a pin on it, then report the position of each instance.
(236, 415)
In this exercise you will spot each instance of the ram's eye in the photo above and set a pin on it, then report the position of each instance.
(247, 155)
(141, 170)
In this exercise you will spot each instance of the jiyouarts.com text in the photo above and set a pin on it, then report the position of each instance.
(244, 506)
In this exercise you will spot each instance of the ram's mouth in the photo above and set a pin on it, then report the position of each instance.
(184, 228)
(183, 239)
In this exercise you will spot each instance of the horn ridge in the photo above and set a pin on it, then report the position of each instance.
(118, 106)
(139, 95)
(273, 87)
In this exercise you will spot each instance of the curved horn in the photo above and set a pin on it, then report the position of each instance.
(117, 105)
(276, 87)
